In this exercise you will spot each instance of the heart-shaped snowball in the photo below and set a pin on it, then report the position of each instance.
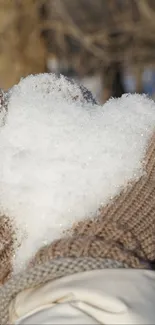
(62, 158)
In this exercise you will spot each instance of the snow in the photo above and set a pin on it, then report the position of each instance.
(60, 160)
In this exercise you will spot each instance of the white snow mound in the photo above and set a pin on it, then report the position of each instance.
(60, 161)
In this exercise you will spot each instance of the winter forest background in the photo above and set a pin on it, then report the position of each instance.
(108, 45)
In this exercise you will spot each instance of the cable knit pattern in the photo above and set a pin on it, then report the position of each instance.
(124, 231)
(40, 274)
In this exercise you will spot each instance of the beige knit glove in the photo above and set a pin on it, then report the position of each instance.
(6, 239)
(124, 230)
(6, 248)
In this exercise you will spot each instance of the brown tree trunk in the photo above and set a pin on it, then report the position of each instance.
(22, 50)
(113, 81)
(139, 80)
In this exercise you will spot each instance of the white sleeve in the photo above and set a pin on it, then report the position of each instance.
(64, 313)
(109, 296)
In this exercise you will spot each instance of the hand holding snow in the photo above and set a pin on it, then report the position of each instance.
(61, 159)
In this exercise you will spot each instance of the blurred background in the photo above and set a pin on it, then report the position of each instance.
(108, 45)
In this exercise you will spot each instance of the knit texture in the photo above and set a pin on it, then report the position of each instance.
(40, 274)
(124, 231)
(6, 230)
(122, 235)
(6, 247)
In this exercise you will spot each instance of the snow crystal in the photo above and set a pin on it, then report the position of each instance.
(61, 159)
